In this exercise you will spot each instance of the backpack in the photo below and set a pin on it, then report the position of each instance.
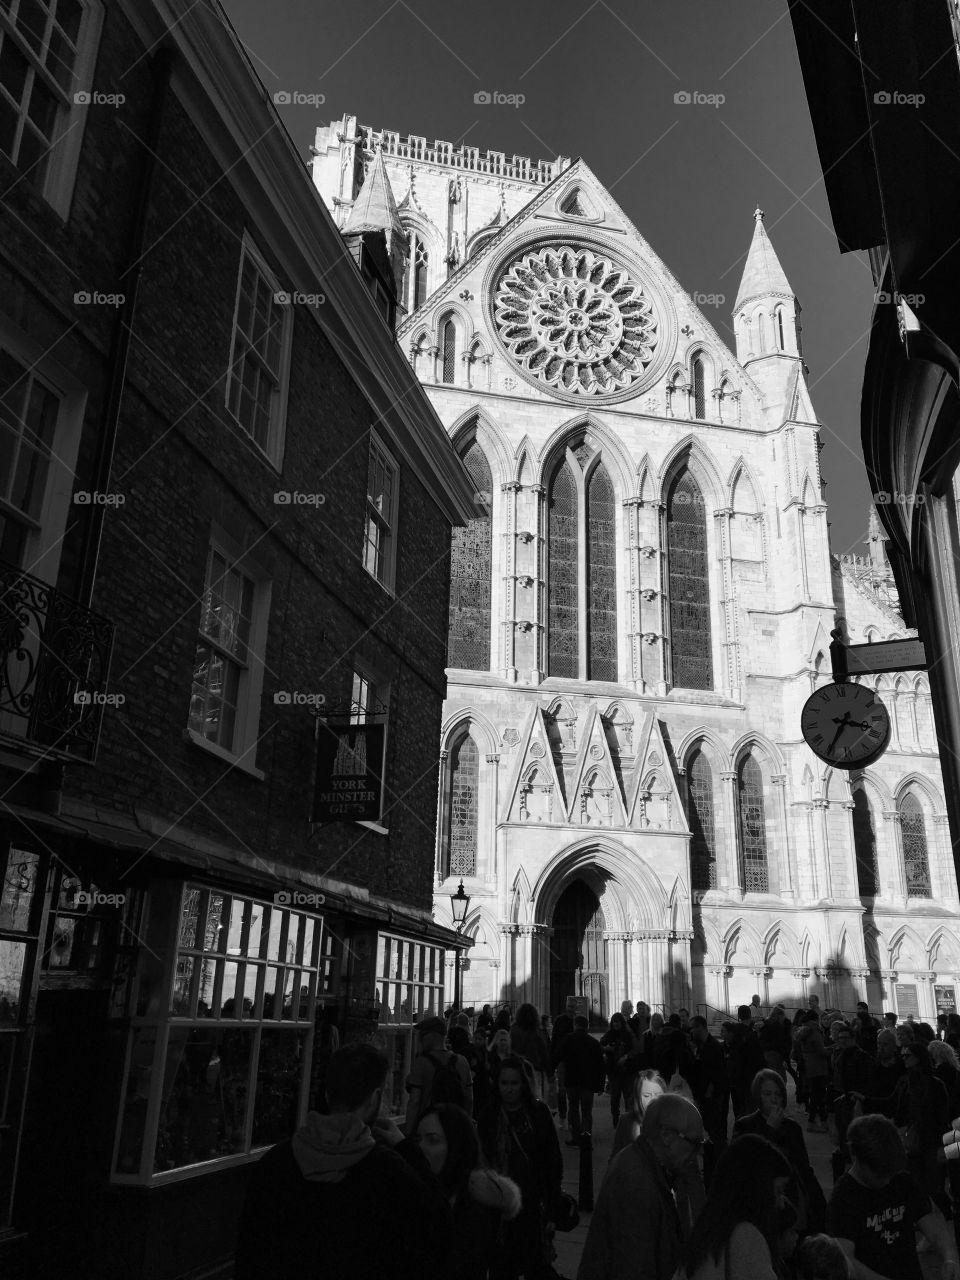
(446, 1086)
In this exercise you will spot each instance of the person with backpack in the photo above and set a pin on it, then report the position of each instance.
(437, 1076)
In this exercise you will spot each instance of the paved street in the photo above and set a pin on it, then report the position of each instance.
(570, 1246)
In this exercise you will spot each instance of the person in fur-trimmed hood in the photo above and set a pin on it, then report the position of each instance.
(348, 1195)
(482, 1200)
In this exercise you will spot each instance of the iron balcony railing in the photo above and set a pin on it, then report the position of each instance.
(54, 663)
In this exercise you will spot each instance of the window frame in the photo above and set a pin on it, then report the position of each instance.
(42, 551)
(59, 182)
(152, 997)
(398, 1033)
(276, 441)
(375, 692)
(387, 576)
(250, 690)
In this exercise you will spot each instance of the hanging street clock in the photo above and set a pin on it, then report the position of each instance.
(846, 725)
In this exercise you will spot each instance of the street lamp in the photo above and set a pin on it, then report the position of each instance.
(459, 905)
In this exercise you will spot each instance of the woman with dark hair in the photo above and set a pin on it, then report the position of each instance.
(920, 1109)
(770, 1121)
(527, 1039)
(736, 1234)
(481, 1199)
(475, 1054)
(519, 1139)
(617, 1044)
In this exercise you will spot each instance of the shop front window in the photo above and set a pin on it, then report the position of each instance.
(409, 989)
(220, 1048)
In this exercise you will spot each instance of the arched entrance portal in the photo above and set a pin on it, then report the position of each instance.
(578, 954)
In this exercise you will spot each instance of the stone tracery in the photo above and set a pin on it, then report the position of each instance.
(575, 320)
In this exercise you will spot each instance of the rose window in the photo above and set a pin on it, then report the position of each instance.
(575, 320)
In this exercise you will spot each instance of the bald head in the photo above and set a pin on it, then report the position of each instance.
(673, 1128)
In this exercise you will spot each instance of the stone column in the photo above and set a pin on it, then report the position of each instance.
(635, 627)
(892, 818)
(728, 870)
(443, 825)
(434, 353)
(925, 996)
(509, 612)
(540, 548)
(728, 645)
(821, 860)
(787, 882)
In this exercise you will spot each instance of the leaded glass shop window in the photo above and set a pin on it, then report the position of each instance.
(468, 644)
(563, 588)
(691, 642)
(703, 857)
(464, 781)
(916, 864)
(601, 577)
(753, 833)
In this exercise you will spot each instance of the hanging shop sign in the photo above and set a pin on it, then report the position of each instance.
(349, 781)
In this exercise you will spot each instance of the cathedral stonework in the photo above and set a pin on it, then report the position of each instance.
(638, 612)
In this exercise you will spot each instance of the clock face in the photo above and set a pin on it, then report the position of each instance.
(845, 724)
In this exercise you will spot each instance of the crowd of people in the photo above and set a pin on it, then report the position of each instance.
(709, 1176)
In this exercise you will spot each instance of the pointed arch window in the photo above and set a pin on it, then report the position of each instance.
(691, 640)
(752, 827)
(448, 349)
(468, 637)
(916, 863)
(415, 283)
(865, 845)
(563, 579)
(601, 577)
(699, 392)
(462, 811)
(780, 341)
(703, 855)
(581, 568)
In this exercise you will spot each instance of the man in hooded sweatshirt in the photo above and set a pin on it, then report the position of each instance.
(348, 1195)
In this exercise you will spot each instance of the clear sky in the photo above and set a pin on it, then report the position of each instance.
(599, 78)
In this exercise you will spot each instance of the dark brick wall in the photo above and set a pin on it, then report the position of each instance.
(183, 465)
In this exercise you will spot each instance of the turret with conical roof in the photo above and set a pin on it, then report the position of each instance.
(766, 319)
(375, 235)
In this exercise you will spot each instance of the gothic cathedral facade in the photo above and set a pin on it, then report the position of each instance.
(639, 615)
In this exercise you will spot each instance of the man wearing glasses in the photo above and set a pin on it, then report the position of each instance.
(649, 1199)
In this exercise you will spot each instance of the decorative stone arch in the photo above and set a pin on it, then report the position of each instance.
(806, 949)
(476, 420)
(462, 317)
(526, 462)
(746, 518)
(480, 239)
(699, 737)
(742, 485)
(644, 488)
(759, 742)
(472, 718)
(760, 318)
(713, 943)
(520, 907)
(615, 454)
(691, 453)
(729, 392)
(620, 728)
(917, 782)
(943, 951)
(808, 491)
(871, 633)
(807, 783)
(906, 949)
(741, 938)
(779, 328)
(876, 788)
(781, 941)
(632, 895)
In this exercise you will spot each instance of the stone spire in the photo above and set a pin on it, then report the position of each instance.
(375, 213)
(766, 321)
(763, 276)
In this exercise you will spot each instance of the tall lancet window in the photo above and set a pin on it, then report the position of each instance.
(415, 283)
(462, 820)
(691, 641)
(563, 576)
(916, 864)
(865, 845)
(703, 849)
(601, 577)
(752, 824)
(448, 349)
(468, 642)
(699, 393)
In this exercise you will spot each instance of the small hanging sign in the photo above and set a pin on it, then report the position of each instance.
(349, 782)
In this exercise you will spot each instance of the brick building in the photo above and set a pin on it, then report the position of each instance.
(226, 508)
(640, 615)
